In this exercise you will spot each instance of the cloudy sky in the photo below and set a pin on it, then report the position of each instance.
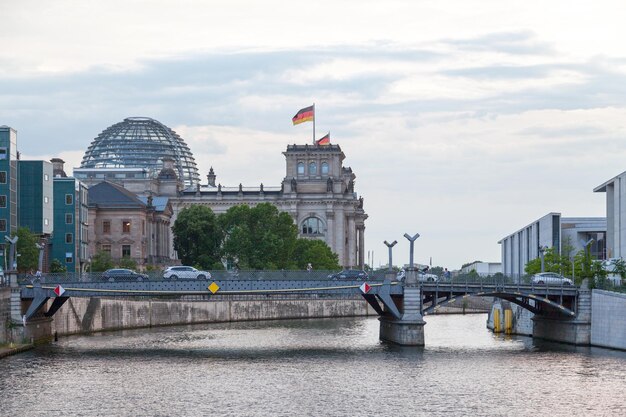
(463, 120)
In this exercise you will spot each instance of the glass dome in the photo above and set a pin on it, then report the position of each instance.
(141, 142)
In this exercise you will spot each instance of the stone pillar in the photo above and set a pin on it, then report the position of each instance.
(339, 245)
(330, 229)
(351, 241)
(361, 231)
(409, 329)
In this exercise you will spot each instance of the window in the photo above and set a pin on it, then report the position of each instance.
(125, 226)
(46, 200)
(69, 218)
(300, 168)
(3, 177)
(3, 153)
(324, 168)
(312, 226)
(312, 168)
(46, 177)
(69, 199)
(106, 248)
(125, 251)
(46, 222)
(106, 226)
(3, 201)
(69, 238)
(3, 225)
(69, 257)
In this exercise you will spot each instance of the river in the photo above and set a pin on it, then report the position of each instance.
(321, 367)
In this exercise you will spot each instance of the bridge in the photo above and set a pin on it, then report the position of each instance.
(400, 305)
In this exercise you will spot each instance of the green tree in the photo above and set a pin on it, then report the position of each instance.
(197, 236)
(26, 247)
(553, 262)
(315, 252)
(101, 261)
(260, 237)
(128, 263)
(57, 267)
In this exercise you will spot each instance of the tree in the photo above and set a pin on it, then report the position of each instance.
(197, 236)
(57, 267)
(260, 237)
(315, 252)
(128, 263)
(26, 247)
(101, 261)
(553, 262)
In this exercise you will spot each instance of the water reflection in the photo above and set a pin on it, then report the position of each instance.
(312, 367)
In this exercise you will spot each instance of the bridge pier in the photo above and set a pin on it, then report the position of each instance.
(575, 331)
(408, 330)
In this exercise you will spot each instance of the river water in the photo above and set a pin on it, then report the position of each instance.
(334, 367)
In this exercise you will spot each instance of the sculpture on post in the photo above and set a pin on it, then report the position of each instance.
(12, 241)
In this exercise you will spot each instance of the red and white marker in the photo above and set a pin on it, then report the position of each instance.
(59, 290)
(365, 288)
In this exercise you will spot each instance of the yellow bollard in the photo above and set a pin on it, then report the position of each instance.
(508, 321)
(497, 327)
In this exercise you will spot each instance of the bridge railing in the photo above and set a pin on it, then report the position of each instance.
(240, 275)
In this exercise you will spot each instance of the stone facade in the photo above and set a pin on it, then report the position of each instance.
(608, 319)
(317, 191)
(125, 226)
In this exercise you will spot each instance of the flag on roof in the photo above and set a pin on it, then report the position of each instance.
(323, 141)
(307, 114)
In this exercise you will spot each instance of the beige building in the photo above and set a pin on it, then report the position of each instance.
(317, 191)
(127, 226)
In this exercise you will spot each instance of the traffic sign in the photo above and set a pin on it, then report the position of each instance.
(365, 288)
(59, 290)
(213, 287)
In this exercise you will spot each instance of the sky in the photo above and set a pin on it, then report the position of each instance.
(463, 120)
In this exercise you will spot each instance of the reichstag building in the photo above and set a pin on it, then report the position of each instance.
(151, 161)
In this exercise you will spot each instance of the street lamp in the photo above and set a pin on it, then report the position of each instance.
(542, 250)
(390, 245)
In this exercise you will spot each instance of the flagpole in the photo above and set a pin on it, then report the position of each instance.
(313, 123)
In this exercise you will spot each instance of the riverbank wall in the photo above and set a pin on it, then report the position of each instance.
(608, 319)
(86, 315)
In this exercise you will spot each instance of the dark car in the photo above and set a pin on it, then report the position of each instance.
(120, 274)
(349, 274)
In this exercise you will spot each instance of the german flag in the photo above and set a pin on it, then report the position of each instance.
(307, 114)
(323, 141)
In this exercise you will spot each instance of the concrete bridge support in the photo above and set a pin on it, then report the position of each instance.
(576, 331)
(407, 330)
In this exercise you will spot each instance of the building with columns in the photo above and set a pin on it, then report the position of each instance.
(318, 191)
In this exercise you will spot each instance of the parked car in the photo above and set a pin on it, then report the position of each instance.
(185, 272)
(551, 278)
(421, 276)
(120, 274)
(350, 274)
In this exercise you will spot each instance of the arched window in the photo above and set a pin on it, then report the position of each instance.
(312, 226)
(300, 168)
(312, 168)
(324, 168)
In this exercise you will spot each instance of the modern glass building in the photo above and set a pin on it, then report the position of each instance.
(137, 142)
(8, 187)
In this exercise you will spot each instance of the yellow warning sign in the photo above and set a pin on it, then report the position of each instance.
(214, 287)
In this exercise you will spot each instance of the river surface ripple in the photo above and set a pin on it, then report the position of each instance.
(334, 367)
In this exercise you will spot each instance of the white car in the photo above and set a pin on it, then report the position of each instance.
(551, 278)
(421, 276)
(185, 272)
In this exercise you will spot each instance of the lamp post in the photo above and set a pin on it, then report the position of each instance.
(390, 246)
(587, 247)
(542, 250)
